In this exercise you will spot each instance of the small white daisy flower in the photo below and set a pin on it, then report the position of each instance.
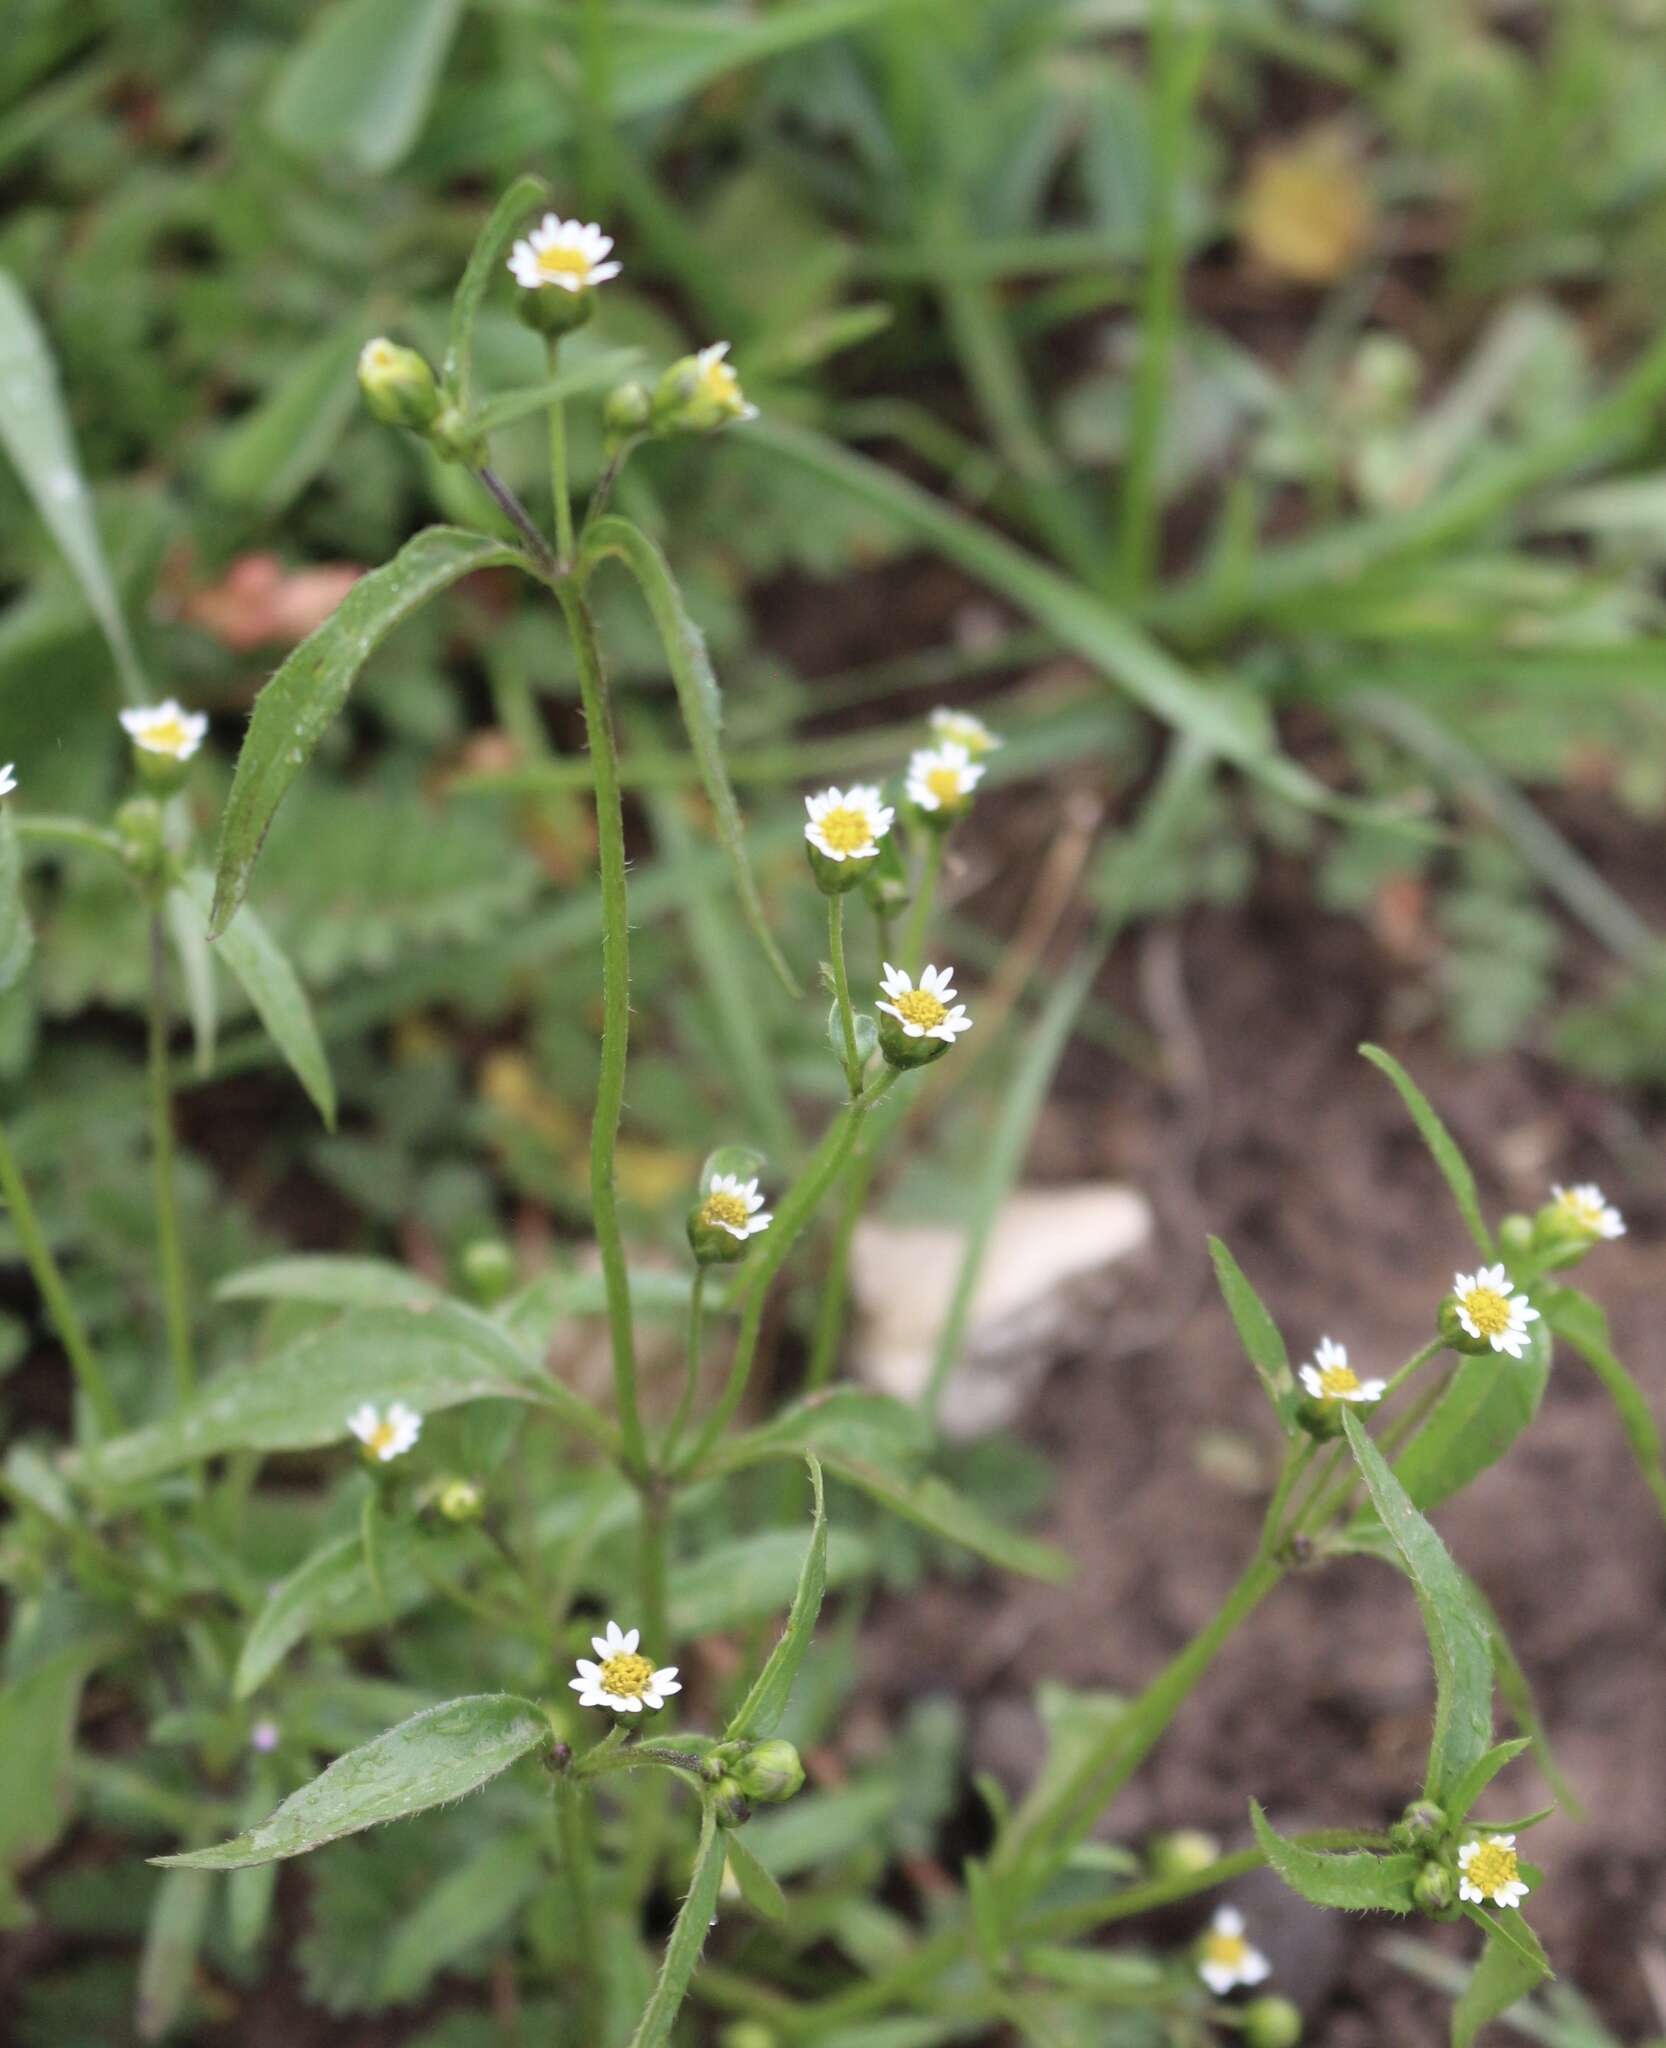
(717, 385)
(961, 729)
(942, 778)
(166, 728)
(925, 1012)
(847, 824)
(1331, 1378)
(623, 1680)
(385, 1436)
(1584, 1211)
(1487, 1871)
(1226, 1959)
(567, 254)
(8, 779)
(1489, 1308)
(732, 1204)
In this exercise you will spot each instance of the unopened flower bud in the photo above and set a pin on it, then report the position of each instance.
(1420, 1826)
(461, 1500)
(1182, 1853)
(488, 1271)
(768, 1772)
(1271, 2023)
(1436, 1892)
(730, 1805)
(398, 385)
(138, 824)
(749, 2034)
(1515, 1236)
(454, 438)
(626, 410)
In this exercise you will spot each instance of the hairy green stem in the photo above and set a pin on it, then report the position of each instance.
(570, 1806)
(914, 948)
(841, 989)
(559, 489)
(519, 517)
(48, 1276)
(170, 1241)
(653, 1531)
(616, 1015)
(691, 1368)
(830, 1308)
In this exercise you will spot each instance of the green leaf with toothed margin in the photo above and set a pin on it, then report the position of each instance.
(1356, 1880)
(435, 1757)
(297, 706)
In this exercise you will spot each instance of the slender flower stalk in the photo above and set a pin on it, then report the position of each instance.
(692, 1349)
(925, 896)
(841, 989)
(170, 1241)
(60, 1304)
(560, 491)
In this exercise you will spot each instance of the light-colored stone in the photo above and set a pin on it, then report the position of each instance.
(1049, 1249)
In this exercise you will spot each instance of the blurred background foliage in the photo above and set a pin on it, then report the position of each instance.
(1319, 338)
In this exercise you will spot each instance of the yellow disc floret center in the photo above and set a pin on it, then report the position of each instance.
(1488, 1311)
(163, 736)
(561, 259)
(1491, 1868)
(944, 784)
(726, 1209)
(1582, 1214)
(846, 830)
(1226, 1950)
(381, 1438)
(1337, 1380)
(918, 1007)
(719, 382)
(627, 1676)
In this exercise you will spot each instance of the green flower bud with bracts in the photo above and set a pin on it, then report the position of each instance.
(699, 394)
(398, 385)
(730, 1805)
(1183, 1852)
(626, 410)
(461, 1500)
(725, 1216)
(918, 1025)
(768, 1772)
(138, 824)
(454, 437)
(842, 834)
(1421, 1826)
(1271, 2023)
(488, 1271)
(1436, 1892)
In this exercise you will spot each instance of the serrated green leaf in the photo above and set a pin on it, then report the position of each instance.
(330, 1594)
(1487, 1404)
(933, 1504)
(1463, 1795)
(766, 1701)
(1575, 1317)
(688, 1938)
(1357, 1880)
(1441, 1144)
(1511, 1965)
(270, 983)
(17, 934)
(435, 1757)
(1457, 1631)
(699, 700)
(35, 432)
(1258, 1333)
(357, 88)
(296, 707)
(755, 1884)
(469, 1905)
(526, 193)
(300, 1398)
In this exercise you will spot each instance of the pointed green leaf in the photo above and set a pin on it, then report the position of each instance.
(1357, 1880)
(1463, 1795)
(1575, 1317)
(1511, 1965)
(1258, 1334)
(1457, 1632)
(1487, 1404)
(35, 433)
(300, 1398)
(357, 88)
(296, 707)
(468, 1906)
(765, 1703)
(756, 1885)
(525, 195)
(699, 700)
(933, 1504)
(173, 1939)
(332, 1280)
(270, 983)
(437, 1756)
(1440, 1142)
(688, 1938)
